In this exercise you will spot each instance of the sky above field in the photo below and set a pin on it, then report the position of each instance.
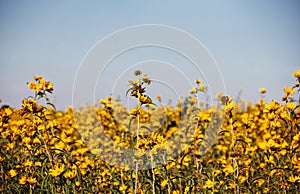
(254, 43)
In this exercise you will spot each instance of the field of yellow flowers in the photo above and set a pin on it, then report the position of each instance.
(43, 150)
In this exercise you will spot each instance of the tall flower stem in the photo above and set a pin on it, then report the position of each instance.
(137, 147)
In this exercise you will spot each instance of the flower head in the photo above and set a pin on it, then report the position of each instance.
(262, 90)
(31, 180)
(22, 180)
(297, 74)
(209, 184)
(12, 173)
(289, 90)
(58, 169)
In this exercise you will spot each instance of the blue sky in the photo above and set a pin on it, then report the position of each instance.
(255, 43)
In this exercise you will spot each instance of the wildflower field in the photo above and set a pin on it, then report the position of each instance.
(251, 148)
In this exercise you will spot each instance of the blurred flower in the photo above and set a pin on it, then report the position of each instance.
(297, 74)
(289, 90)
(38, 164)
(294, 179)
(58, 169)
(209, 184)
(290, 106)
(193, 91)
(134, 111)
(224, 100)
(202, 88)
(12, 173)
(22, 180)
(37, 77)
(262, 90)
(7, 111)
(259, 182)
(144, 99)
(228, 169)
(49, 87)
(70, 174)
(28, 163)
(31, 180)
(123, 188)
(164, 183)
(137, 72)
(158, 97)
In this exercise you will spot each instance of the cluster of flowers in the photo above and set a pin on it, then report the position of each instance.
(256, 147)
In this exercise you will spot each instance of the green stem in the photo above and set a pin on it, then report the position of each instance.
(137, 147)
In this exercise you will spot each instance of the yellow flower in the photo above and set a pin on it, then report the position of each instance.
(7, 111)
(193, 91)
(297, 74)
(228, 170)
(123, 188)
(242, 179)
(144, 99)
(216, 172)
(266, 190)
(296, 162)
(290, 106)
(32, 86)
(289, 90)
(262, 90)
(37, 77)
(28, 163)
(58, 169)
(186, 190)
(202, 88)
(37, 164)
(22, 180)
(221, 148)
(170, 165)
(36, 140)
(83, 171)
(39, 87)
(259, 182)
(209, 184)
(49, 87)
(77, 183)
(262, 165)
(26, 140)
(247, 162)
(42, 81)
(270, 159)
(282, 152)
(186, 160)
(164, 183)
(294, 179)
(103, 101)
(197, 81)
(70, 174)
(31, 180)
(230, 106)
(80, 151)
(29, 104)
(134, 111)
(12, 173)
(158, 98)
